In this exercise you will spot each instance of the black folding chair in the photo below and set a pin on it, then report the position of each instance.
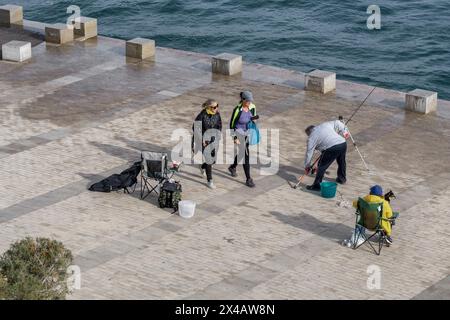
(153, 173)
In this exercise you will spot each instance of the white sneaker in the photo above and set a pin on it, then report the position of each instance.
(346, 243)
(202, 172)
(211, 185)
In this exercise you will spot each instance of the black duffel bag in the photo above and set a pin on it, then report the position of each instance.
(126, 179)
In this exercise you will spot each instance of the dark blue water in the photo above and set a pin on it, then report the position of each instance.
(411, 50)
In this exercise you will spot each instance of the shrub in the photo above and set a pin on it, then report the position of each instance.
(35, 269)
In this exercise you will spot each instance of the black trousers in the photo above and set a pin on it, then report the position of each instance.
(337, 153)
(208, 169)
(207, 165)
(243, 152)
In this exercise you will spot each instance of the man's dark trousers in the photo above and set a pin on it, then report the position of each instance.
(337, 153)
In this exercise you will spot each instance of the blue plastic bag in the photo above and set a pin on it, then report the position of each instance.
(254, 135)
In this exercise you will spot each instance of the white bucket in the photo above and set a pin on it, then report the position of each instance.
(186, 208)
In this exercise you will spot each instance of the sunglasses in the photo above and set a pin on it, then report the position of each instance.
(214, 107)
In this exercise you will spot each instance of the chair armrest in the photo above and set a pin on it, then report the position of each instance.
(395, 215)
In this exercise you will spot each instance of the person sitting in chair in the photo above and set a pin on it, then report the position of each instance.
(376, 196)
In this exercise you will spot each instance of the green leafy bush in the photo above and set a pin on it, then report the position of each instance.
(35, 269)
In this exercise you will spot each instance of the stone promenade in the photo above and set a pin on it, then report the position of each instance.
(79, 112)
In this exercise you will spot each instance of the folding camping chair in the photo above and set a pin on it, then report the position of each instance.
(153, 173)
(369, 216)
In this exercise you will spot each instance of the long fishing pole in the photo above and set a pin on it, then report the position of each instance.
(359, 107)
(341, 118)
(301, 178)
(357, 150)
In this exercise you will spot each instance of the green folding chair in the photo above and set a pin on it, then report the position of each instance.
(369, 216)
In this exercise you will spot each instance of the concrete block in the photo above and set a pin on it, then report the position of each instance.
(421, 101)
(227, 64)
(10, 14)
(17, 51)
(88, 27)
(140, 48)
(320, 81)
(59, 33)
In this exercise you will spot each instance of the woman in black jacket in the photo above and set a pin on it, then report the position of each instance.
(207, 131)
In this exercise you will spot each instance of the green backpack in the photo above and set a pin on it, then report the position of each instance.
(170, 195)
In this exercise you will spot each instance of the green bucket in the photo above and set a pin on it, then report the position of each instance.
(328, 189)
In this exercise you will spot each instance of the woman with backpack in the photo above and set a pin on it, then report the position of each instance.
(243, 114)
(207, 131)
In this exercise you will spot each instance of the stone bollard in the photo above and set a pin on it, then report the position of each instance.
(421, 101)
(320, 81)
(17, 51)
(227, 64)
(11, 14)
(140, 48)
(58, 33)
(88, 27)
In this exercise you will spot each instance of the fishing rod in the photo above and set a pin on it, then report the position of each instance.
(301, 178)
(341, 118)
(359, 107)
(354, 144)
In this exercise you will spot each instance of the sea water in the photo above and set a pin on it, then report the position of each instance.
(410, 50)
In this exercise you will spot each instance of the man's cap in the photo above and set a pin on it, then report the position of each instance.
(376, 190)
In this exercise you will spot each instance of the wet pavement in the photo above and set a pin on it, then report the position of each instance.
(77, 113)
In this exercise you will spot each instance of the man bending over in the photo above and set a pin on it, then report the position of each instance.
(329, 138)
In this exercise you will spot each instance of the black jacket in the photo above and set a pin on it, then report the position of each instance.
(207, 121)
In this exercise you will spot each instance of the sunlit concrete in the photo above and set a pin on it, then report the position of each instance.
(320, 81)
(87, 27)
(17, 51)
(226, 64)
(59, 33)
(421, 101)
(140, 48)
(11, 14)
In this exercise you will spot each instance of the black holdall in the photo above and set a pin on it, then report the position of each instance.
(126, 179)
